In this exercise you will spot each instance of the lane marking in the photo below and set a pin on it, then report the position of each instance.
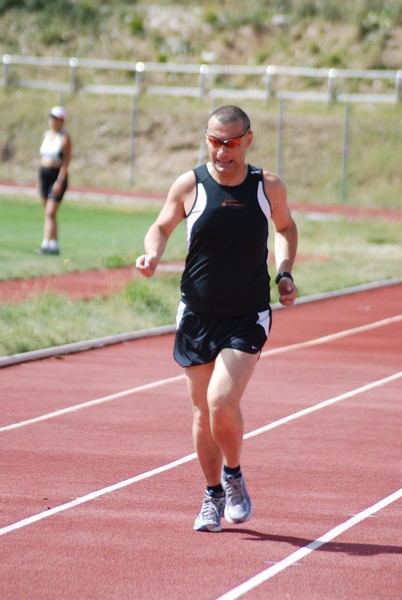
(334, 336)
(149, 386)
(76, 407)
(298, 555)
(96, 494)
(184, 459)
(324, 404)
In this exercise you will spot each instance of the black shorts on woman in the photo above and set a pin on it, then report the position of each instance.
(47, 178)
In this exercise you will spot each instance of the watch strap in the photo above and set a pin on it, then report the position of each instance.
(283, 274)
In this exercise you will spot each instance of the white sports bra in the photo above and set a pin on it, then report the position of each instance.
(51, 147)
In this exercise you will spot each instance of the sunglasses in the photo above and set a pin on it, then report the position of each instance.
(230, 143)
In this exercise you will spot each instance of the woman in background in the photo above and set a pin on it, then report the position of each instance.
(55, 156)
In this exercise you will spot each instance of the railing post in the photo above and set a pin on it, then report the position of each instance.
(398, 86)
(345, 150)
(279, 167)
(73, 75)
(6, 69)
(269, 76)
(332, 75)
(202, 80)
(139, 69)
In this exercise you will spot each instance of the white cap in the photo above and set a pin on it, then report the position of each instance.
(58, 112)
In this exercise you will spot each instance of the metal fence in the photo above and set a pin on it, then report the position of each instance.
(276, 87)
(205, 81)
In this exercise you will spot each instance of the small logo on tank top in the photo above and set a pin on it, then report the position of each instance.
(233, 203)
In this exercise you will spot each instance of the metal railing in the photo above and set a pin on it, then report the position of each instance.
(207, 83)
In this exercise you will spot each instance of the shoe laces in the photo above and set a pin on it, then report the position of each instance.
(212, 505)
(234, 489)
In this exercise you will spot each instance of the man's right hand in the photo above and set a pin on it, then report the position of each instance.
(146, 265)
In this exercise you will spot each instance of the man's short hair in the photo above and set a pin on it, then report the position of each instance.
(229, 114)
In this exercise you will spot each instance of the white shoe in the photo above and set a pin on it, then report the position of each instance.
(211, 513)
(238, 507)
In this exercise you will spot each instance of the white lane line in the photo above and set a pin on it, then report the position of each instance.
(298, 555)
(96, 494)
(290, 348)
(183, 460)
(76, 407)
(324, 404)
(334, 336)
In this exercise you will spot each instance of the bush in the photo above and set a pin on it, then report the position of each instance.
(136, 24)
(80, 12)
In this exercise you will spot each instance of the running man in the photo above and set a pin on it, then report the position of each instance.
(224, 315)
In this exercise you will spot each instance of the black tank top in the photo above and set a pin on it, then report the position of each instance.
(226, 269)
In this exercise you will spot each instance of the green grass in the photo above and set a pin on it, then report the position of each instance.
(333, 253)
(52, 320)
(92, 236)
(342, 253)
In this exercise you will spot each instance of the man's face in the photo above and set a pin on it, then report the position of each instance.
(227, 144)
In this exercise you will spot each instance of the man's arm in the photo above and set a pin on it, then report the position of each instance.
(174, 210)
(285, 238)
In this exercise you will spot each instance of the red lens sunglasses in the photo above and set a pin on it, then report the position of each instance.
(229, 143)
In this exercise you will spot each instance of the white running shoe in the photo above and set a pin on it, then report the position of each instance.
(211, 513)
(238, 507)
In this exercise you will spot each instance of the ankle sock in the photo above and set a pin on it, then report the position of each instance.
(215, 489)
(235, 471)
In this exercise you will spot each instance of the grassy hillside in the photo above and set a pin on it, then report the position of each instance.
(168, 131)
(364, 33)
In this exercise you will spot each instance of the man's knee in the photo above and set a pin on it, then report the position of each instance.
(223, 408)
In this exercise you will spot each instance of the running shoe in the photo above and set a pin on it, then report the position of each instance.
(54, 247)
(211, 513)
(50, 251)
(238, 507)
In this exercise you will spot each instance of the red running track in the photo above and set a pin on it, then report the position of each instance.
(100, 487)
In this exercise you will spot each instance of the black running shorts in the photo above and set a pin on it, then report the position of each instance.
(200, 338)
(47, 177)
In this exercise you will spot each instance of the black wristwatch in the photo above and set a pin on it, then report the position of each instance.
(283, 274)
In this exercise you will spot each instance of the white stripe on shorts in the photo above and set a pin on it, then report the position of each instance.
(264, 319)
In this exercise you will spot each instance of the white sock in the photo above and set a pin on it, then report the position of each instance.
(53, 244)
(45, 244)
